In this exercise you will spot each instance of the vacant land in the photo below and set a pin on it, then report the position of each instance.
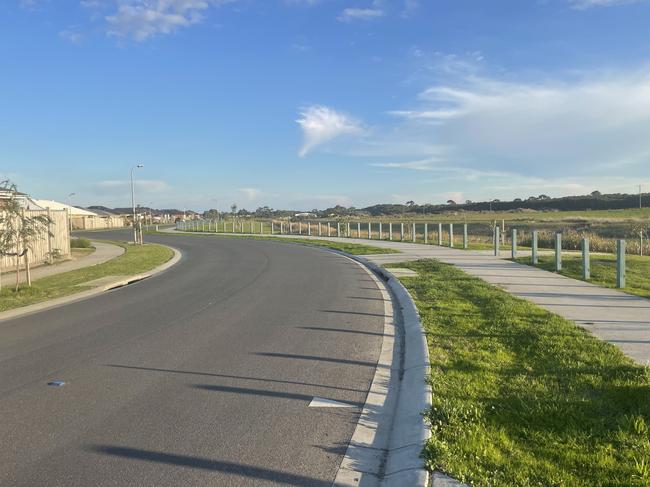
(523, 397)
(603, 270)
(136, 259)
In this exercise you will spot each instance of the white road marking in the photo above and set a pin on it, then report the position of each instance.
(321, 402)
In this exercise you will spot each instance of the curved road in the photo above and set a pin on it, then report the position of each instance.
(199, 376)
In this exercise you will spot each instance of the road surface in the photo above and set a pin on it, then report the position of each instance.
(202, 375)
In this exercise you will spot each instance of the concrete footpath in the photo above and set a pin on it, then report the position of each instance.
(103, 253)
(616, 317)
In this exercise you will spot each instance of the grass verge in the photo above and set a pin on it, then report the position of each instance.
(523, 397)
(603, 270)
(135, 260)
(350, 248)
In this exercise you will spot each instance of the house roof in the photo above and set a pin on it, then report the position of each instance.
(55, 205)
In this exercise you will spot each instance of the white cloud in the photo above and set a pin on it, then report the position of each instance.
(322, 124)
(351, 14)
(538, 127)
(142, 19)
(585, 4)
(70, 36)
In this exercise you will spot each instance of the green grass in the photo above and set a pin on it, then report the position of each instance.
(350, 248)
(603, 270)
(523, 397)
(135, 260)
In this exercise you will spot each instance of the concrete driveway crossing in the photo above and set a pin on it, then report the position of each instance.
(202, 375)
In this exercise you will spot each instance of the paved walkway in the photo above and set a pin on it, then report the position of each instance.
(103, 252)
(616, 317)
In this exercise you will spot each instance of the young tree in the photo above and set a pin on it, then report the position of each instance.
(19, 232)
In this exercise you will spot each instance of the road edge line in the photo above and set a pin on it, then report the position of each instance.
(83, 295)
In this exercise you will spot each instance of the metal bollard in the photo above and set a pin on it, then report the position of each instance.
(329, 229)
(513, 250)
(534, 256)
(380, 232)
(401, 232)
(426, 233)
(414, 234)
(319, 229)
(465, 238)
(586, 260)
(558, 252)
(338, 229)
(620, 263)
(451, 235)
(440, 234)
(358, 229)
(348, 233)
(390, 231)
(497, 241)
(369, 231)
(309, 228)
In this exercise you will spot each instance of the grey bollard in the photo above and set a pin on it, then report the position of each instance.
(358, 229)
(329, 229)
(319, 229)
(534, 256)
(497, 241)
(465, 238)
(309, 228)
(380, 232)
(513, 250)
(414, 234)
(338, 229)
(349, 234)
(620, 263)
(440, 234)
(401, 232)
(586, 260)
(390, 231)
(558, 252)
(451, 235)
(369, 231)
(426, 233)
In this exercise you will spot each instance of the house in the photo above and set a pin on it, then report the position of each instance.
(82, 219)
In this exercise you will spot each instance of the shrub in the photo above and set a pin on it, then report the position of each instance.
(80, 243)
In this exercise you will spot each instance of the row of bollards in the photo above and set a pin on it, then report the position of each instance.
(586, 255)
(289, 228)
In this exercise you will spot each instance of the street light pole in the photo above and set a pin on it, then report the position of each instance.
(70, 210)
(135, 231)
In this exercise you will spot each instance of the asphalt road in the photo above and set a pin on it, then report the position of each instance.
(199, 376)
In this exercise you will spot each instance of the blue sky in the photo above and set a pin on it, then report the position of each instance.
(311, 103)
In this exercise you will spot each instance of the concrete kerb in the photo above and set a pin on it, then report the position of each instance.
(406, 397)
(55, 303)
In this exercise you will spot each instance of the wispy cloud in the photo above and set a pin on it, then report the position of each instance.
(142, 19)
(352, 14)
(71, 36)
(585, 4)
(321, 124)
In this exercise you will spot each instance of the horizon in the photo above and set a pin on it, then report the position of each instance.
(271, 103)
